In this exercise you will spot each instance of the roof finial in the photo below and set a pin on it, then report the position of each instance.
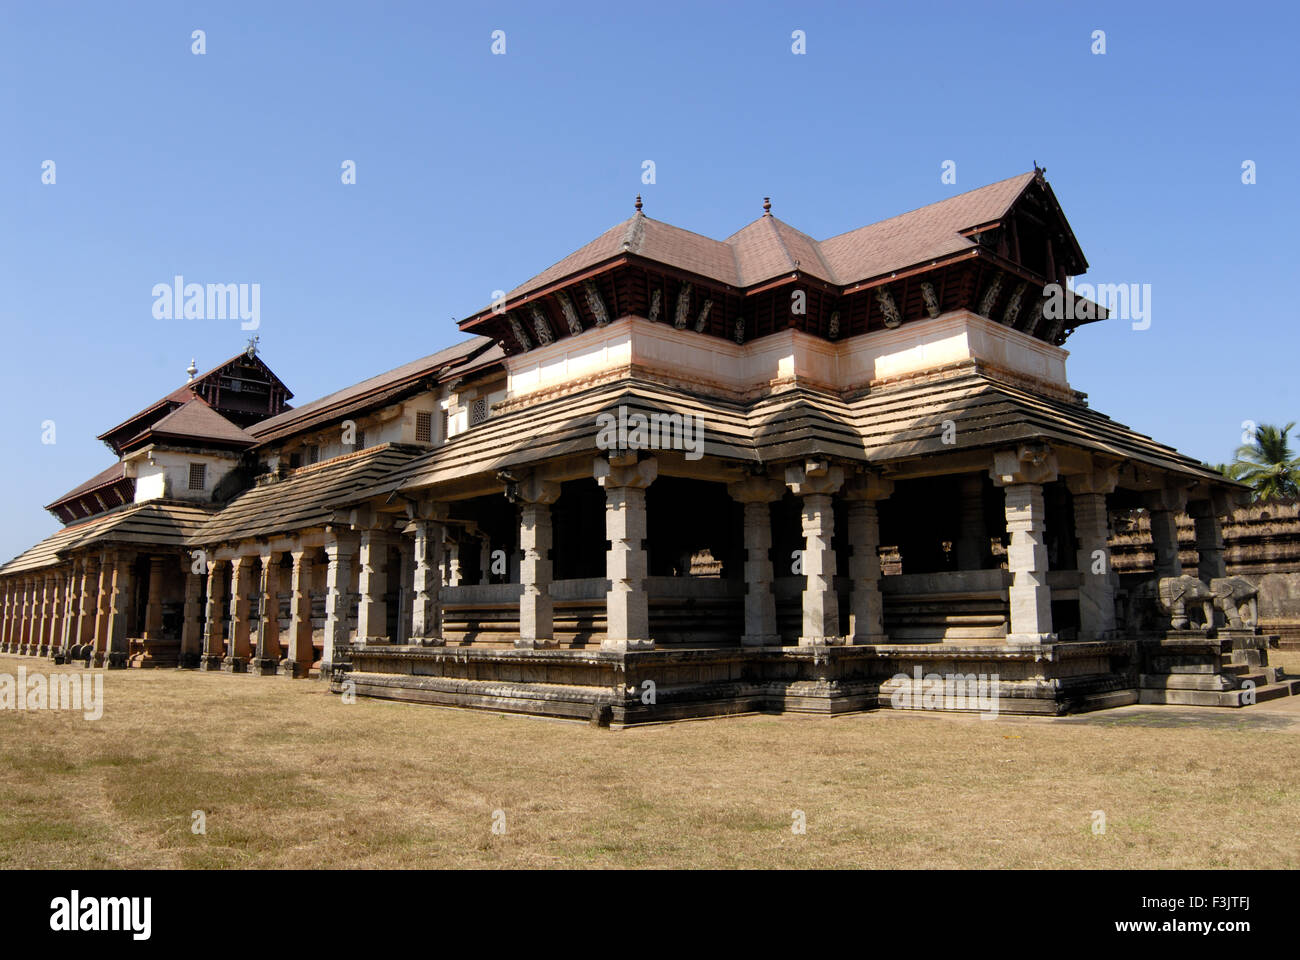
(1039, 172)
(638, 203)
(767, 206)
(251, 350)
(191, 370)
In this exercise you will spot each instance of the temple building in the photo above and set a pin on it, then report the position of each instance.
(672, 476)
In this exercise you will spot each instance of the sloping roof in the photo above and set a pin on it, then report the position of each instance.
(923, 234)
(105, 478)
(154, 523)
(369, 392)
(306, 498)
(768, 247)
(891, 424)
(195, 420)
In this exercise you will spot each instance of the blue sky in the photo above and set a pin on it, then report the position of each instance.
(476, 171)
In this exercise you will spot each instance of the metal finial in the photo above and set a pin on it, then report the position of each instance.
(251, 349)
(638, 203)
(767, 206)
(191, 369)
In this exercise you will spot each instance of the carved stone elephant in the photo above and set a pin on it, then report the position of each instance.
(1175, 593)
(1238, 598)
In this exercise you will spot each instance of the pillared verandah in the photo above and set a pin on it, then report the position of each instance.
(848, 459)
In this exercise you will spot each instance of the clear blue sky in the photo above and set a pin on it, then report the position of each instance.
(476, 171)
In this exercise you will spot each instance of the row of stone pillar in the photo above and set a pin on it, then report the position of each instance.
(80, 606)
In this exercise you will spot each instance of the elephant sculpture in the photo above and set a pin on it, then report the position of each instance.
(1238, 598)
(1175, 593)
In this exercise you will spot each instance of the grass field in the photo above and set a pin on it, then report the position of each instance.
(287, 775)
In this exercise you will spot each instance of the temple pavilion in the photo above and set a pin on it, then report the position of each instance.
(669, 476)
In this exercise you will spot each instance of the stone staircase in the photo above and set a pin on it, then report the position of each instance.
(1227, 669)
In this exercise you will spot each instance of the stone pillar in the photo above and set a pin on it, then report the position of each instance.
(119, 600)
(298, 657)
(214, 627)
(340, 551)
(453, 563)
(484, 558)
(240, 649)
(63, 640)
(29, 639)
(627, 607)
(1209, 537)
(49, 632)
(191, 624)
(1021, 473)
(536, 609)
(426, 622)
(1163, 507)
(372, 610)
(7, 591)
(85, 642)
(758, 493)
(41, 644)
(406, 578)
(814, 482)
(153, 611)
(1092, 531)
(973, 541)
(103, 609)
(266, 661)
(866, 605)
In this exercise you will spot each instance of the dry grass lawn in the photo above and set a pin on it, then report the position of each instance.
(289, 776)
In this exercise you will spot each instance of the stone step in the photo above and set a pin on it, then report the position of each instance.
(1223, 698)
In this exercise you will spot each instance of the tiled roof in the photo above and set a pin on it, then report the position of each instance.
(154, 523)
(195, 420)
(104, 478)
(768, 247)
(367, 392)
(306, 498)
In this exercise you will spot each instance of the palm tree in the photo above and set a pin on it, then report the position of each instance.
(1268, 465)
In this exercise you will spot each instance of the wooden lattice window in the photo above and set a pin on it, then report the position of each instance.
(313, 453)
(423, 426)
(198, 476)
(479, 411)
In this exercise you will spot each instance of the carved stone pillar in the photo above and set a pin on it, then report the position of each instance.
(119, 601)
(1092, 532)
(453, 562)
(340, 552)
(1206, 515)
(266, 659)
(85, 642)
(426, 549)
(31, 618)
(1021, 473)
(1163, 507)
(103, 608)
(536, 609)
(758, 494)
(68, 621)
(7, 590)
(372, 608)
(45, 597)
(301, 652)
(214, 627)
(814, 482)
(866, 605)
(192, 622)
(240, 649)
(627, 607)
(153, 611)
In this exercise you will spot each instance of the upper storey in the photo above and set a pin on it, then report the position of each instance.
(989, 252)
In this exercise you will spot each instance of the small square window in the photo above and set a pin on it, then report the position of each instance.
(479, 412)
(198, 476)
(423, 426)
